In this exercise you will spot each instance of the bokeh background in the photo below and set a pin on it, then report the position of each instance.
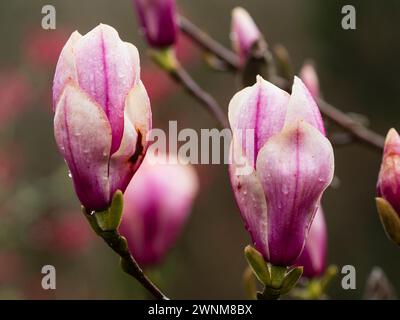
(40, 220)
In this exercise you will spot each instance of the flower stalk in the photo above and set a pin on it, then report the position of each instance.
(105, 224)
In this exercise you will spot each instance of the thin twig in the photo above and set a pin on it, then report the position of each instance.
(116, 242)
(360, 132)
(181, 76)
(203, 40)
(108, 231)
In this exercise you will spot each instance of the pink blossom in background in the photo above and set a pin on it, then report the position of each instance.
(244, 34)
(159, 84)
(11, 266)
(309, 76)
(157, 203)
(65, 233)
(313, 257)
(41, 48)
(388, 186)
(158, 21)
(11, 163)
(15, 95)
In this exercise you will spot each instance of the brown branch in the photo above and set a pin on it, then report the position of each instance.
(168, 62)
(105, 225)
(181, 76)
(204, 41)
(116, 242)
(360, 132)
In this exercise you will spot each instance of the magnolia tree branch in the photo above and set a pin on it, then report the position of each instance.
(105, 224)
(181, 76)
(116, 242)
(357, 130)
(203, 40)
(167, 60)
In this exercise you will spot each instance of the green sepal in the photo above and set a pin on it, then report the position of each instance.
(269, 294)
(258, 265)
(278, 274)
(328, 276)
(291, 279)
(314, 289)
(165, 58)
(92, 221)
(277, 280)
(109, 219)
(390, 219)
(249, 284)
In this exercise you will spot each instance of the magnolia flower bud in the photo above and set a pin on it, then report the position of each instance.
(244, 33)
(388, 187)
(157, 19)
(157, 203)
(313, 257)
(310, 78)
(102, 114)
(291, 164)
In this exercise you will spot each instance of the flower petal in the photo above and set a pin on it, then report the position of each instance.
(65, 69)
(83, 136)
(244, 33)
(138, 110)
(127, 159)
(157, 203)
(302, 106)
(310, 79)
(313, 257)
(158, 21)
(107, 70)
(262, 108)
(294, 167)
(250, 198)
(389, 175)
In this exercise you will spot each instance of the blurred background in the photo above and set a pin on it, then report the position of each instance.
(40, 219)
